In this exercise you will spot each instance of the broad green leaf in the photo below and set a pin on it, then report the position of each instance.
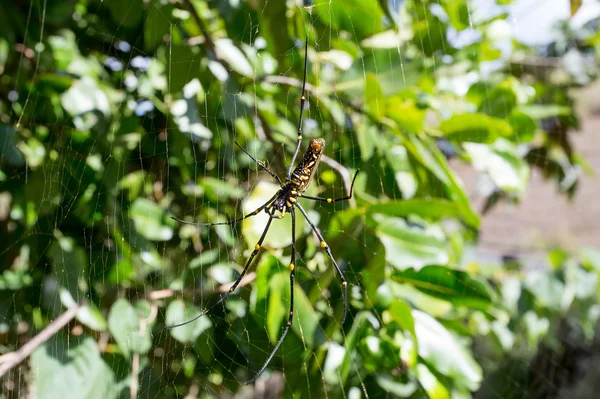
(433, 209)
(477, 128)
(269, 265)
(362, 323)
(401, 314)
(157, 23)
(277, 310)
(91, 316)
(444, 283)
(131, 327)
(70, 265)
(394, 74)
(411, 246)
(10, 153)
(72, 368)
(396, 388)
(458, 12)
(524, 127)
(150, 220)
(431, 158)
(432, 385)
(389, 39)
(367, 135)
(127, 14)
(399, 160)
(85, 96)
(235, 58)
(542, 111)
(406, 114)
(306, 321)
(179, 311)
(499, 102)
(185, 113)
(374, 102)
(444, 353)
(361, 17)
(502, 163)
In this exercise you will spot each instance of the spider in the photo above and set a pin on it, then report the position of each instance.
(285, 201)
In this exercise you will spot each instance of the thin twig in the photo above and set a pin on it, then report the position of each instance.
(135, 372)
(10, 360)
(207, 39)
(286, 80)
(169, 293)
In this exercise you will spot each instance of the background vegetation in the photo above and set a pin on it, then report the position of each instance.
(115, 115)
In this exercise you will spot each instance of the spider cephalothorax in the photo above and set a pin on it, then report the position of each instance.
(286, 200)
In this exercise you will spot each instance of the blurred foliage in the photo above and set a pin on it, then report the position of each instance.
(115, 115)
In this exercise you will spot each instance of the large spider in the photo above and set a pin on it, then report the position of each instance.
(284, 201)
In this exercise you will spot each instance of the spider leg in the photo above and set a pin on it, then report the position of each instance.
(256, 212)
(328, 250)
(302, 101)
(237, 282)
(291, 315)
(261, 164)
(330, 200)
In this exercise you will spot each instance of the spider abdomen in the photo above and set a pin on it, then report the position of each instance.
(306, 168)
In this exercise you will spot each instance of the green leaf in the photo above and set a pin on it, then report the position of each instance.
(439, 348)
(401, 314)
(361, 17)
(277, 309)
(374, 102)
(430, 157)
(396, 388)
(10, 154)
(407, 246)
(499, 101)
(157, 24)
(235, 58)
(502, 163)
(91, 316)
(458, 12)
(433, 209)
(179, 312)
(406, 114)
(85, 96)
(450, 285)
(431, 384)
(131, 327)
(71, 368)
(126, 13)
(339, 368)
(149, 219)
(542, 111)
(477, 128)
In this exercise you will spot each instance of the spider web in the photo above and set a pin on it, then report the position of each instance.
(118, 336)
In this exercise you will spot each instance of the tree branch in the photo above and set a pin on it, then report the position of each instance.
(10, 360)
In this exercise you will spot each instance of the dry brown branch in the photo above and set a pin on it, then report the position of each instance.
(10, 360)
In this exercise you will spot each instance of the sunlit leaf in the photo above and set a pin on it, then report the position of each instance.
(374, 102)
(64, 368)
(178, 312)
(131, 327)
(477, 128)
(150, 219)
(443, 352)
(411, 246)
(447, 284)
